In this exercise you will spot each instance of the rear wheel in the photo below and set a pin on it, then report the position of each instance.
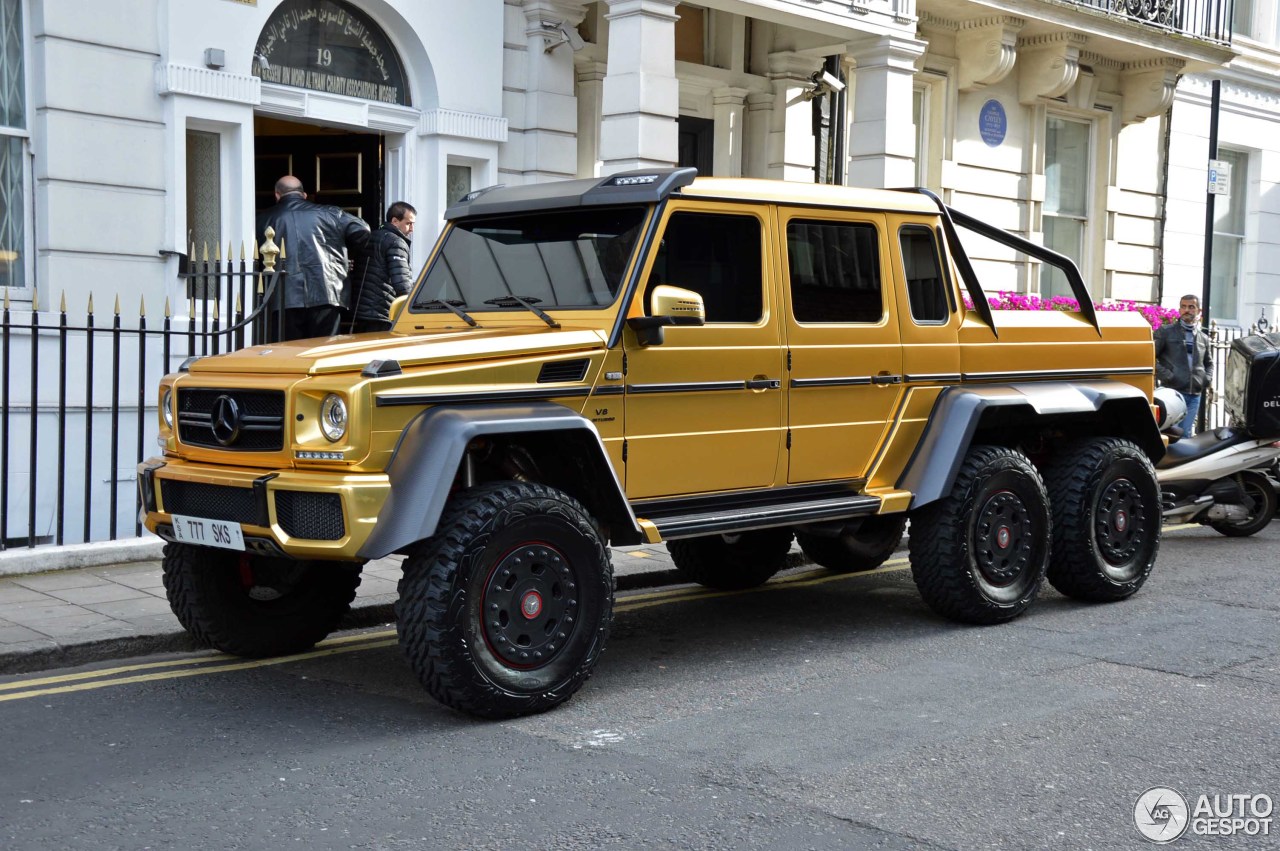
(255, 606)
(1106, 519)
(865, 549)
(1261, 503)
(732, 562)
(979, 553)
(505, 610)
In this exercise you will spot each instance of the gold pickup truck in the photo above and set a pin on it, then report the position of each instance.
(723, 365)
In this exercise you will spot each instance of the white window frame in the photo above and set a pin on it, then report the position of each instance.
(1083, 261)
(24, 292)
(1240, 174)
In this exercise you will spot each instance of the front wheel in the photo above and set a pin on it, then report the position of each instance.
(505, 610)
(979, 553)
(1106, 519)
(732, 562)
(255, 606)
(1261, 502)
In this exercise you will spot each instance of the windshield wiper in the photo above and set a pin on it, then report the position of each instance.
(515, 300)
(454, 307)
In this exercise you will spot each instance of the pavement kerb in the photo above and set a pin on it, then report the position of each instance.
(46, 558)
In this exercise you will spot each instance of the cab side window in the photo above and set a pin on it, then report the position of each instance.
(835, 271)
(716, 256)
(926, 288)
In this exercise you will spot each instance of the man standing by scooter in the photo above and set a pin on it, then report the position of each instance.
(1184, 360)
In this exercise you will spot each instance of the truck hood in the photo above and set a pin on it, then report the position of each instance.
(351, 353)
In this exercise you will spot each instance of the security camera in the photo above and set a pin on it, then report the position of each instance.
(260, 62)
(826, 81)
(556, 33)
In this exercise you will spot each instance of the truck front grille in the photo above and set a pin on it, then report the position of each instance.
(213, 502)
(235, 420)
(313, 516)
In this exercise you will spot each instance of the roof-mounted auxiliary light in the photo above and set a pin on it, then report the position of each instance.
(634, 179)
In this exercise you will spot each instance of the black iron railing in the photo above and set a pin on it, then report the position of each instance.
(1205, 19)
(67, 454)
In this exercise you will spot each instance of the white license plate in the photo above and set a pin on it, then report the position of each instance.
(208, 533)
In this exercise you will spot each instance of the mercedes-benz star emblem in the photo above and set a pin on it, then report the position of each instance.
(225, 418)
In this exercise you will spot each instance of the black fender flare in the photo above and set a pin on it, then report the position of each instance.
(431, 448)
(959, 412)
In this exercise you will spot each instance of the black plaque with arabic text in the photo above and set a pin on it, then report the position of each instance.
(330, 46)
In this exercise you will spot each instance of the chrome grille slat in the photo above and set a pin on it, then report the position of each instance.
(262, 421)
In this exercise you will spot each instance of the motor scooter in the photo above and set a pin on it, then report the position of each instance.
(1219, 478)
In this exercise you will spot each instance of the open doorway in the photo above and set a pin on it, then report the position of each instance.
(336, 166)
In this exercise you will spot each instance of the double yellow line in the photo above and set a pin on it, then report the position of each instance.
(218, 663)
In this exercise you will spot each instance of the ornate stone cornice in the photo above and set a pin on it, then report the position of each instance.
(987, 50)
(1048, 65)
(1098, 61)
(174, 79)
(1147, 88)
(463, 125)
(927, 19)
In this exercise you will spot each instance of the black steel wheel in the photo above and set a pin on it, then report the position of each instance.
(255, 606)
(1106, 519)
(1262, 504)
(505, 610)
(732, 562)
(979, 553)
(866, 548)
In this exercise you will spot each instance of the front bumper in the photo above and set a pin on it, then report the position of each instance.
(312, 514)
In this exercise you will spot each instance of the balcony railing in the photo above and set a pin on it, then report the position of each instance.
(1205, 19)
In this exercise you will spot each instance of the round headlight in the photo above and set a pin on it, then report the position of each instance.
(166, 406)
(333, 417)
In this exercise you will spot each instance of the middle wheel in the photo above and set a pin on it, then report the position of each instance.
(732, 562)
(979, 553)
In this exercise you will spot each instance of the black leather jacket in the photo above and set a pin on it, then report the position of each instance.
(381, 274)
(317, 239)
(1171, 360)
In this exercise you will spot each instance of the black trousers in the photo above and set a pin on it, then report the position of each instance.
(362, 326)
(319, 321)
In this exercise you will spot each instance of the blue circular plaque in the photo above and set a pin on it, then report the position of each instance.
(993, 124)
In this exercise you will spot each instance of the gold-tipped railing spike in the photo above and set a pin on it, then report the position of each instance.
(192, 252)
(231, 251)
(6, 298)
(205, 253)
(142, 306)
(35, 299)
(215, 310)
(256, 255)
(91, 304)
(192, 309)
(167, 314)
(283, 250)
(117, 304)
(270, 251)
(242, 251)
(217, 252)
(239, 307)
(63, 303)
(261, 288)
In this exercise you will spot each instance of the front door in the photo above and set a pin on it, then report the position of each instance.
(704, 408)
(338, 168)
(846, 358)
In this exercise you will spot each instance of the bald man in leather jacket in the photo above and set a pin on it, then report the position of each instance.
(319, 239)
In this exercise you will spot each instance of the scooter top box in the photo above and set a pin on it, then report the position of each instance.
(1252, 394)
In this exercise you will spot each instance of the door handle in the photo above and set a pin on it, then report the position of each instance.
(884, 378)
(764, 384)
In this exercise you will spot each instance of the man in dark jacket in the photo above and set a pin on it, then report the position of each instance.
(1184, 360)
(318, 239)
(383, 273)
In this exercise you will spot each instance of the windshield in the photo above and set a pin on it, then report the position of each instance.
(559, 258)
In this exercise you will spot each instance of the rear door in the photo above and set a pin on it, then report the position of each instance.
(845, 378)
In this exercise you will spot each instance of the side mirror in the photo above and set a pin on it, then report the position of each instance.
(397, 305)
(668, 306)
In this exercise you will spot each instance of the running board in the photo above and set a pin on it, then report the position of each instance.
(746, 518)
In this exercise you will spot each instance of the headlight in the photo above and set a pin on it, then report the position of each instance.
(333, 417)
(166, 406)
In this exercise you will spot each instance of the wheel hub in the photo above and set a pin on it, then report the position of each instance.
(1002, 539)
(529, 606)
(1118, 523)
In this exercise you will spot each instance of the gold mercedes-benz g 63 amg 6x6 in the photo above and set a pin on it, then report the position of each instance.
(719, 364)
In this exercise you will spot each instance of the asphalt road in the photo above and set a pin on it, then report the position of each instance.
(820, 712)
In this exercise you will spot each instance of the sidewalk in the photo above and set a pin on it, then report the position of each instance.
(71, 605)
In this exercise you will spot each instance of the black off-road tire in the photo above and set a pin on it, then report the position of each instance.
(732, 562)
(866, 549)
(505, 610)
(254, 606)
(978, 554)
(1257, 487)
(1106, 519)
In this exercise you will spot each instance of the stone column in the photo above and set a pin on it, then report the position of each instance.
(641, 94)
(759, 118)
(730, 110)
(550, 109)
(590, 102)
(791, 149)
(882, 139)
